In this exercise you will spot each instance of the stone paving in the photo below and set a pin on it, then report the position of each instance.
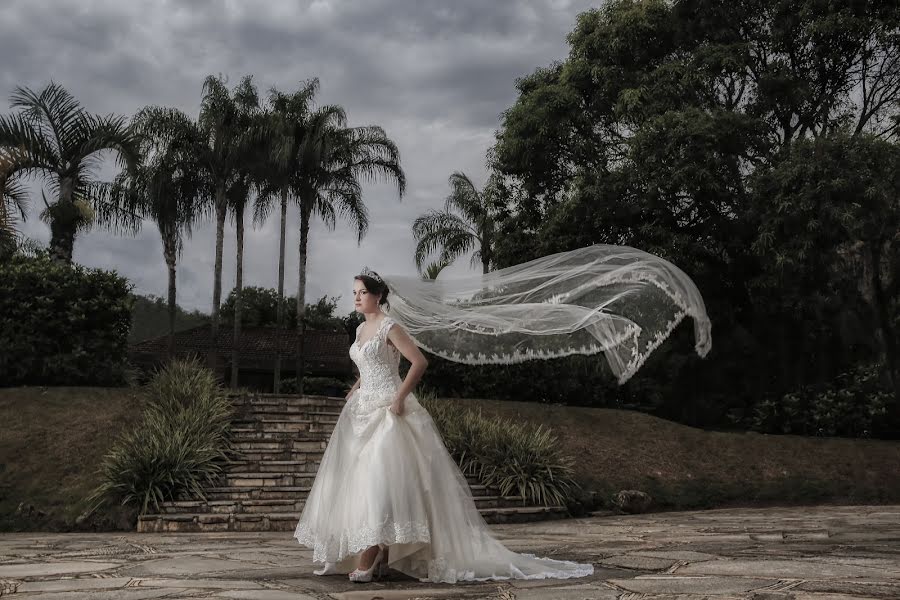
(804, 553)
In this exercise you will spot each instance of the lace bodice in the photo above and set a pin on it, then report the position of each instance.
(378, 361)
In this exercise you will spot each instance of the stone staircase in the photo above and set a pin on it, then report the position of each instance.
(281, 440)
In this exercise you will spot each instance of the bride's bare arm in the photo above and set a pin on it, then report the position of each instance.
(352, 389)
(418, 362)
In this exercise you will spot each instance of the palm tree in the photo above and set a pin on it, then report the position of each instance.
(287, 117)
(333, 158)
(453, 235)
(225, 122)
(434, 269)
(166, 186)
(55, 138)
(238, 197)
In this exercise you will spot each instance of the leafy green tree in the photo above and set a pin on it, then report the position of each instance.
(55, 138)
(830, 234)
(150, 318)
(261, 310)
(658, 131)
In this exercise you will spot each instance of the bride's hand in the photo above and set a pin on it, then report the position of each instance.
(397, 407)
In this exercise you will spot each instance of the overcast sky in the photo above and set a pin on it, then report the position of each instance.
(436, 75)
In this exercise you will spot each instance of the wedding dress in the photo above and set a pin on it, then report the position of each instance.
(388, 479)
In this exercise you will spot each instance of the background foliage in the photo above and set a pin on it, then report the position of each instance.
(62, 324)
(753, 144)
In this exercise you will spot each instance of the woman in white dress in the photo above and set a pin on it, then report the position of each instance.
(387, 492)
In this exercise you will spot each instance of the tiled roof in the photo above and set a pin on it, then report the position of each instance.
(255, 342)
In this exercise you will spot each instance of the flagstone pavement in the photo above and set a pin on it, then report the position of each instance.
(803, 553)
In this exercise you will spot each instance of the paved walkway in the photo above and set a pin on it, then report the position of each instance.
(816, 553)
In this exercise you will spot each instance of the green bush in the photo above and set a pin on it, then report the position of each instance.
(180, 446)
(516, 458)
(62, 324)
(853, 405)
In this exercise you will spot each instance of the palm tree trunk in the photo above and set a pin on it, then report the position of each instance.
(238, 301)
(280, 309)
(301, 295)
(221, 211)
(63, 223)
(169, 252)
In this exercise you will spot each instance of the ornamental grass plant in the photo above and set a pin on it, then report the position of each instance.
(180, 446)
(516, 458)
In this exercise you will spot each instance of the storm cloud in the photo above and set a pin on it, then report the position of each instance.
(436, 75)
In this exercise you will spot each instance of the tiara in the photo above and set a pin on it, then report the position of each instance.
(370, 273)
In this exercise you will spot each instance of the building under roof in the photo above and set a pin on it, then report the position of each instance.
(326, 353)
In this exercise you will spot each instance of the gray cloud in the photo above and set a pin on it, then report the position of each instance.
(436, 74)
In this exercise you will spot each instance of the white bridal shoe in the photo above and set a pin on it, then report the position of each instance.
(360, 576)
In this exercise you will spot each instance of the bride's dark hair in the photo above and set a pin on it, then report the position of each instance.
(375, 285)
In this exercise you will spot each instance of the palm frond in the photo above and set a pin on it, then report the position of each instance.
(53, 111)
(438, 231)
(95, 134)
(13, 196)
(23, 146)
(434, 269)
(465, 197)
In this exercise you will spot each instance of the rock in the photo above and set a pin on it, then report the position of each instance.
(632, 501)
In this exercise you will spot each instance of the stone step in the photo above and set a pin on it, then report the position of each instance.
(287, 492)
(244, 434)
(278, 455)
(240, 506)
(289, 402)
(262, 479)
(279, 444)
(287, 521)
(229, 506)
(274, 492)
(310, 465)
(279, 417)
(241, 428)
(281, 410)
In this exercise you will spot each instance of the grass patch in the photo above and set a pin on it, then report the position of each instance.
(687, 468)
(53, 441)
(51, 445)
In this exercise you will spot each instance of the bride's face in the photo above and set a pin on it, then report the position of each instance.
(363, 300)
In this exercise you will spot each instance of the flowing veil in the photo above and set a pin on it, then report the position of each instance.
(617, 300)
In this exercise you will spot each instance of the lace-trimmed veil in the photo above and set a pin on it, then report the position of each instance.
(617, 300)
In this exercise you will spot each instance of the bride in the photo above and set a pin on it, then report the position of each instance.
(387, 492)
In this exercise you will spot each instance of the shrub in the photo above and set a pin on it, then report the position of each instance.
(62, 324)
(852, 405)
(179, 447)
(513, 457)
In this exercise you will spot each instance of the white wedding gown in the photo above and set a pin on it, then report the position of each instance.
(387, 479)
